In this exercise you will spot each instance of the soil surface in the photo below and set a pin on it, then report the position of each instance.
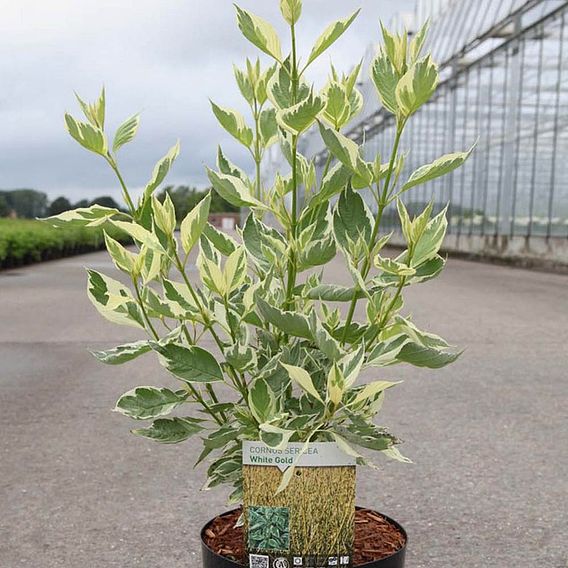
(375, 537)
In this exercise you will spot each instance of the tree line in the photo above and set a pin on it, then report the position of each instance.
(30, 203)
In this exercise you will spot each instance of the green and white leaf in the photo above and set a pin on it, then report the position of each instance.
(416, 86)
(94, 112)
(225, 166)
(366, 435)
(440, 167)
(123, 259)
(352, 220)
(113, 300)
(316, 253)
(347, 152)
(393, 453)
(192, 226)
(391, 266)
(262, 402)
(351, 365)
(430, 240)
(234, 123)
(244, 84)
(222, 242)
(396, 48)
(260, 33)
(333, 293)
(291, 323)
(170, 430)
(302, 115)
(89, 136)
(241, 357)
(235, 270)
(140, 234)
(385, 79)
(268, 126)
(325, 342)
(233, 190)
(337, 110)
(280, 89)
(335, 385)
(211, 274)
(161, 170)
(180, 299)
(425, 356)
(334, 182)
(92, 216)
(302, 378)
(386, 352)
(330, 35)
(126, 132)
(418, 40)
(143, 403)
(164, 214)
(122, 353)
(371, 390)
(345, 447)
(291, 10)
(258, 237)
(275, 436)
(191, 364)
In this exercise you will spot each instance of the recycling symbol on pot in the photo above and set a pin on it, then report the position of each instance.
(281, 563)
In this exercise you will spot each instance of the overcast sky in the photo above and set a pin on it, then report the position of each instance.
(162, 57)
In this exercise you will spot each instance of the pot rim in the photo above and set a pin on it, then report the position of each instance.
(401, 550)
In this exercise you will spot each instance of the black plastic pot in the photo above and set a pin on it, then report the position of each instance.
(213, 560)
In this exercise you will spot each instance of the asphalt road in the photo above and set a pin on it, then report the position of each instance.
(488, 435)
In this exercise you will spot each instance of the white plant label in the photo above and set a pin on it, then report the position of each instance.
(318, 454)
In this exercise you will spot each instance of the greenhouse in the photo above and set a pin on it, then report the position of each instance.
(503, 89)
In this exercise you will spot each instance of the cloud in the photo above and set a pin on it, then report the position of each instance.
(163, 58)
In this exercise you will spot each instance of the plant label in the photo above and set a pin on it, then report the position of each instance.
(294, 493)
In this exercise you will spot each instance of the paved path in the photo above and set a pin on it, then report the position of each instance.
(488, 436)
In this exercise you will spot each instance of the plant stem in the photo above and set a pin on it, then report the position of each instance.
(293, 222)
(387, 315)
(294, 65)
(292, 262)
(125, 192)
(197, 301)
(189, 386)
(238, 381)
(382, 205)
(208, 386)
(227, 311)
(144, 312)
(193, 391)
(207, 408)
(327, 165)
(385, 319)
(257, 155)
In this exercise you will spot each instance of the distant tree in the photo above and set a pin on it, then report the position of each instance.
(27, 203)
(186, 198)
(4, 209)
(81, 203)
(105, 201)
(59, 205)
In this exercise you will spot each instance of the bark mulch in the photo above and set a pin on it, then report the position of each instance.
(375, 537)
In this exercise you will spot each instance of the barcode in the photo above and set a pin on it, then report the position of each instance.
(259, 561)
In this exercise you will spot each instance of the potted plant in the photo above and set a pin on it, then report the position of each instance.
(292, 418)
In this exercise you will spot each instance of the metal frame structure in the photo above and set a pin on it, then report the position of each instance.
(504, 85)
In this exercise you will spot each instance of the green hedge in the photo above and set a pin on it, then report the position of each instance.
(23, 241)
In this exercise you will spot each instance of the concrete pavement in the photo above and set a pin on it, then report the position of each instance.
(488, 435)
